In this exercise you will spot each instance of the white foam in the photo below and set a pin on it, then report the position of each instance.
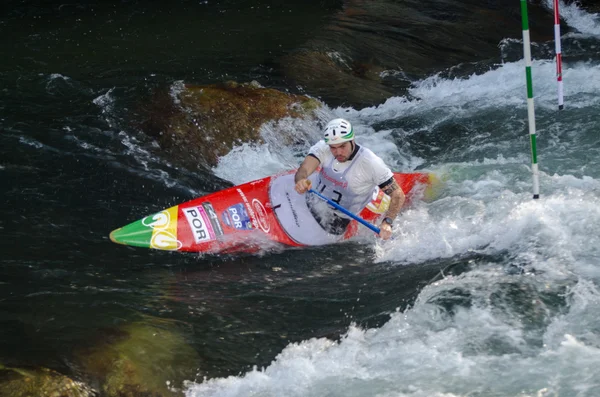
(285, 144)
(576, 17)
(447, 98)
(249, 162)
(426, 351)
(500, 87)
(59, 76)
(175, 90)
(489, 344)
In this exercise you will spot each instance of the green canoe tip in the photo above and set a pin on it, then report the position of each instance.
(136, 234)
(112, 236)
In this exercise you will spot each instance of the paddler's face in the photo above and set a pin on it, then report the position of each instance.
(342, 151)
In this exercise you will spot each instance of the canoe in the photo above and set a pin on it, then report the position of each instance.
(252, 216)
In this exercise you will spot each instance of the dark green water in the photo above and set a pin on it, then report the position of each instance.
(69, 178)
(74, 166)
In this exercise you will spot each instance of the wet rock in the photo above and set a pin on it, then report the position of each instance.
(326, 74)
(201, 123)
(371, 50)
(141, 359)
(40, 382)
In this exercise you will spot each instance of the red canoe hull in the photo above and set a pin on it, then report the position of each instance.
(238, 219)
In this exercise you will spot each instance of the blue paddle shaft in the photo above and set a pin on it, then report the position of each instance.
(345, 211)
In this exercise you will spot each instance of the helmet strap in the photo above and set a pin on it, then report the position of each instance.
(354, 150)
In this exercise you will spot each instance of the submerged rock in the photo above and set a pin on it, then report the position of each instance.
(40, 382)
(372, 50)
(330, 75)
(201, 123)
(141, 359)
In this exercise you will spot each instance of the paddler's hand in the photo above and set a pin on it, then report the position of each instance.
(385, 230)
(303, 185)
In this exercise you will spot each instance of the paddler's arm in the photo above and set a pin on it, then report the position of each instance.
(308, 166)
(397, 199)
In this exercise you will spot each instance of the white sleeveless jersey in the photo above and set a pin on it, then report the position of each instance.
(350, 184)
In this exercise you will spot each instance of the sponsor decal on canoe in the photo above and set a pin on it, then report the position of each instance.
(261, 215)
(294, 214)
(379, 203)
(214, 219)
(200, 225)
(164, 229)
(165, 241)
(157, 221)
(237, 217)
(249, 208)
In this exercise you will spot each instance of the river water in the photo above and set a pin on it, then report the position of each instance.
(482, 292)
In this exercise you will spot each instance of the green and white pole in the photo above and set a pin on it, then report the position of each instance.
(530, 109)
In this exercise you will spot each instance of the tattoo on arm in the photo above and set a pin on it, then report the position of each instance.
(397, 198)
(389, 189)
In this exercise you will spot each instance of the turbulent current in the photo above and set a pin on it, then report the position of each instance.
(482, 292)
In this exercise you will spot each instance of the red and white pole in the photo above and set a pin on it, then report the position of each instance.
(558, 55)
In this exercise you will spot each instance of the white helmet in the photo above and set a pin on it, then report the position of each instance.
(338, 131)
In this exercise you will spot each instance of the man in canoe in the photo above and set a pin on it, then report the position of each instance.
(349, 173)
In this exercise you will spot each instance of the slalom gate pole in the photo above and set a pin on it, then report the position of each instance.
(558, 55)
(530, 108)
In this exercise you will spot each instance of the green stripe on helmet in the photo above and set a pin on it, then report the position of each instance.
(349, 135)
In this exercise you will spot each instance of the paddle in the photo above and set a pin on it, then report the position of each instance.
(345, 211)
